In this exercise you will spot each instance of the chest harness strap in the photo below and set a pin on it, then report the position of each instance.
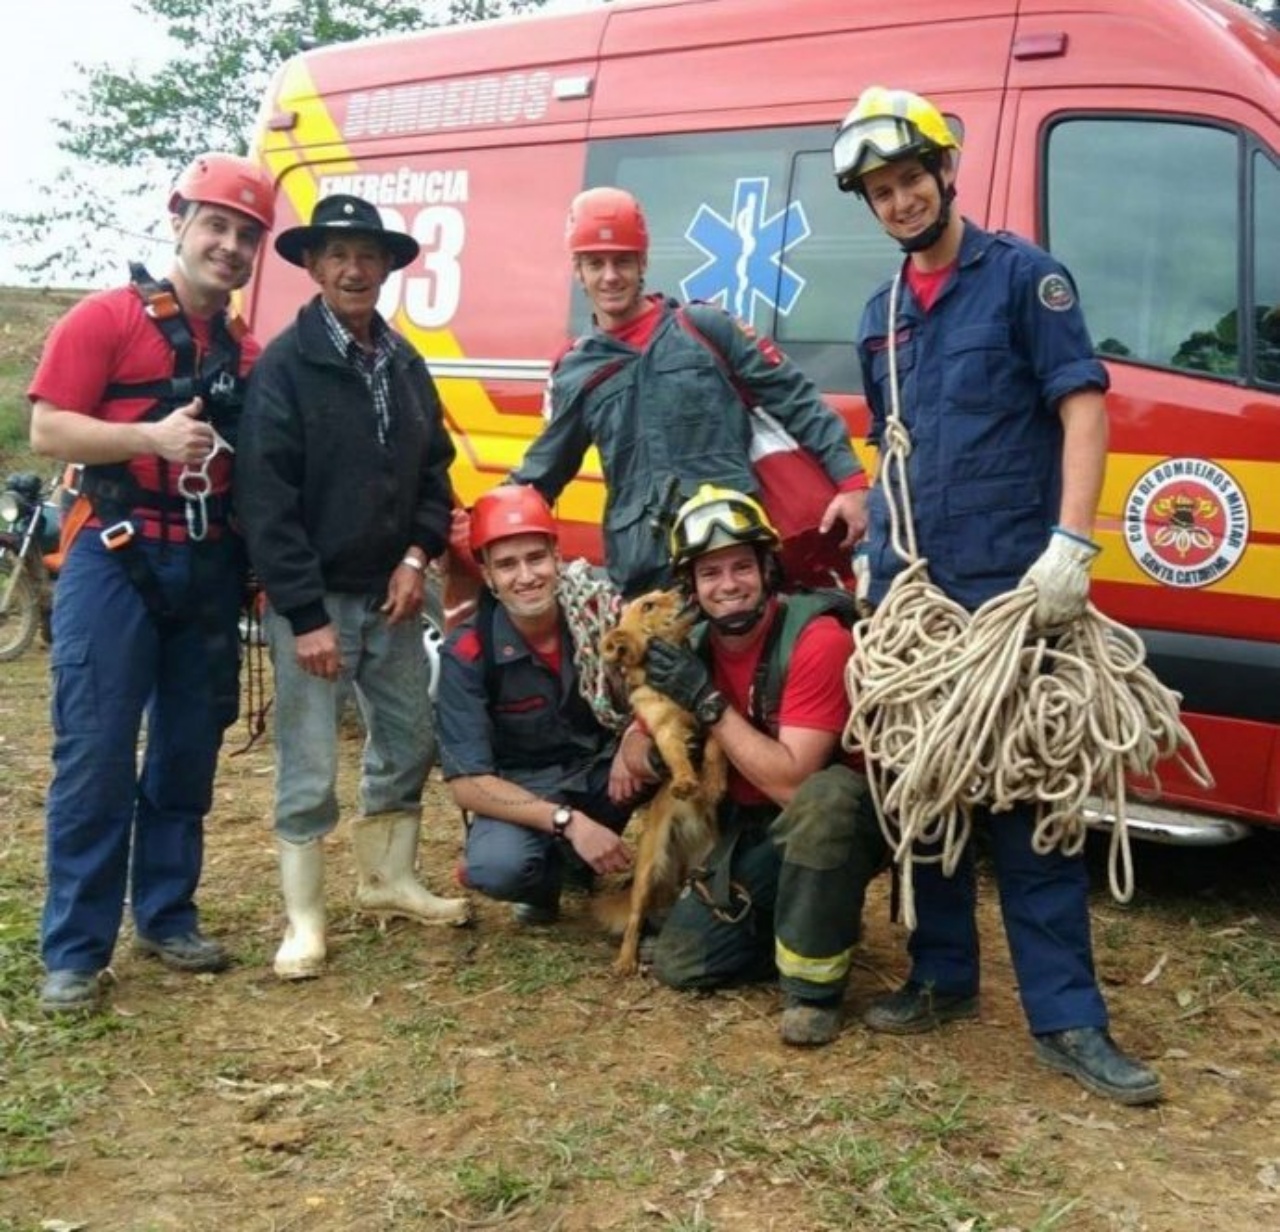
(112, 489)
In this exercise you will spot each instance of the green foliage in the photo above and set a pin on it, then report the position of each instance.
(149, 123)
(25, 318)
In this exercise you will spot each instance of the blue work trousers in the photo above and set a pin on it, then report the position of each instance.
(386, 665)
(113, 663)
(512, 863)
(1044, 900)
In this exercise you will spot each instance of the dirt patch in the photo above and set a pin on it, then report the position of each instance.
(493, 1077)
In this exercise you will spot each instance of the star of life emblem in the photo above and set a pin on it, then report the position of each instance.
(746, 253)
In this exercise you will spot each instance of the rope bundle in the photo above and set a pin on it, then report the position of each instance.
(591, 604)
(953, 711)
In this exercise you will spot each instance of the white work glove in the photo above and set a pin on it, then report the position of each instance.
(862, 579)
(1061, 579)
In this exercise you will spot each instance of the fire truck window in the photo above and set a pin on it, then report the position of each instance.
(1144, 213)
(753, 221)
(1266, 267)
(850, 256)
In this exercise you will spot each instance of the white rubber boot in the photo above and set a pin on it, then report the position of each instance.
(302, 952)
(386, 850)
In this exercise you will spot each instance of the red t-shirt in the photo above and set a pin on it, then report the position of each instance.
(813, 695)
(926, 285)
(637, 332)
(108, 339)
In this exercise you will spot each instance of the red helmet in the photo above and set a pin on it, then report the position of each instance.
(226, 179)
(606, 220)
(513, 509)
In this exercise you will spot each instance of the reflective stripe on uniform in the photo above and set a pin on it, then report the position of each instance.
(815, 970)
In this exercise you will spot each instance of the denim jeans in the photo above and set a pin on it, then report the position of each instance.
(386, 666)
(110, 824)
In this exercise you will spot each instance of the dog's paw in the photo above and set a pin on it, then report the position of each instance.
(626, 964)
(684, 788)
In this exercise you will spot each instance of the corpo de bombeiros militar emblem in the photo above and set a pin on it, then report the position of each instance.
(1186, 522)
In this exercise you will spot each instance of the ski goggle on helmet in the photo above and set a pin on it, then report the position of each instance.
(716, 518)
(885, 126)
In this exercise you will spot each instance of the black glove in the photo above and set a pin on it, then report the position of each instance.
(677, 672)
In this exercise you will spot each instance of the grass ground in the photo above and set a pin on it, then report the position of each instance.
(493, 1077)
(498, 1078)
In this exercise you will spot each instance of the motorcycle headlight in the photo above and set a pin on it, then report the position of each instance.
(10, 507)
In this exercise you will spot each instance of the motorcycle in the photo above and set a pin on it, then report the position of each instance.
(30, 523)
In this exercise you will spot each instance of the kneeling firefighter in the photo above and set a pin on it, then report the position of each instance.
(782, 891)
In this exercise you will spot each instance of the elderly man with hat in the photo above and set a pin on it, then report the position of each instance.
(343, 487)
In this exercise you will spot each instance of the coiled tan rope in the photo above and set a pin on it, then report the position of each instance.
(591, 603)
(953, 711)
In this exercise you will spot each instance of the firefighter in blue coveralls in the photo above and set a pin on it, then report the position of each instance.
(1003, 400)
(521, 749)
(143, 384)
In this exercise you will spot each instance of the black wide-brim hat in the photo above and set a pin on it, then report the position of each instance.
(344, 215)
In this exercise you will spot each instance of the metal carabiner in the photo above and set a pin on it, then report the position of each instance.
(194, 486)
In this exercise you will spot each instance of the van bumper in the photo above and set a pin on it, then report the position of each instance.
(1173, 827)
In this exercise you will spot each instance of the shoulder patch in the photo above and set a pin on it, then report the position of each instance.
(467, 647)
(1055, 293)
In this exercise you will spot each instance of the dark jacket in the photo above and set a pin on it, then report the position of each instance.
(667, 420)
(326, 506)
(503, 711)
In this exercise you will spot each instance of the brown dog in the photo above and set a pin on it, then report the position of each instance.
(678, 824)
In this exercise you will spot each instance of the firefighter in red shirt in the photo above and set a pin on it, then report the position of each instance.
(143, 385)
(782, 891)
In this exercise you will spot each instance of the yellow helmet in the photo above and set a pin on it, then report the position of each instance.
(884, 126)
(714, 518)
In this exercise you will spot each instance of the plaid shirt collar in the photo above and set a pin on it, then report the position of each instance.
(373, 366)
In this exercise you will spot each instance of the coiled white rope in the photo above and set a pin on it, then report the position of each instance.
(954, 711)
(591, 604)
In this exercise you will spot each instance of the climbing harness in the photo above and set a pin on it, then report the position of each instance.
(954, 711)
(112, 490)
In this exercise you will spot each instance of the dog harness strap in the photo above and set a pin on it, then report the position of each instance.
(729, 900)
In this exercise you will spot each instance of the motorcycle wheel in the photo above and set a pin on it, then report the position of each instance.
(20, 620)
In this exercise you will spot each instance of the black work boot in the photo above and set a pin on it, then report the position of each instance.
(916, 1008)
(186, 952)
(71, 992)
(810, 1024)
(1090, 1056)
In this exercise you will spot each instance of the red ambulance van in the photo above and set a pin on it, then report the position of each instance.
(1139, 140)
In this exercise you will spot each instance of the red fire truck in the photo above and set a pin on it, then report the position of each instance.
(1139, 140)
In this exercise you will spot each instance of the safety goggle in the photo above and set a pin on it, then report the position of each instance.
(882, 138)
(697, 529)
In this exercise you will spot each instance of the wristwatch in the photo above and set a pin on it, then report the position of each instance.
(560, 820)
(710, 710)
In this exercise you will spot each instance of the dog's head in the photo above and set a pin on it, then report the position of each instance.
(660, 613)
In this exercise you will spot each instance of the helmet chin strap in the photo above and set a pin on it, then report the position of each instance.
(737, 623)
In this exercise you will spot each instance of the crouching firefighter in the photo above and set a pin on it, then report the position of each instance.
(142, 384)
(783, 889)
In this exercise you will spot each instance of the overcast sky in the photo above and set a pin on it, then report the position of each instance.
(41, 50)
